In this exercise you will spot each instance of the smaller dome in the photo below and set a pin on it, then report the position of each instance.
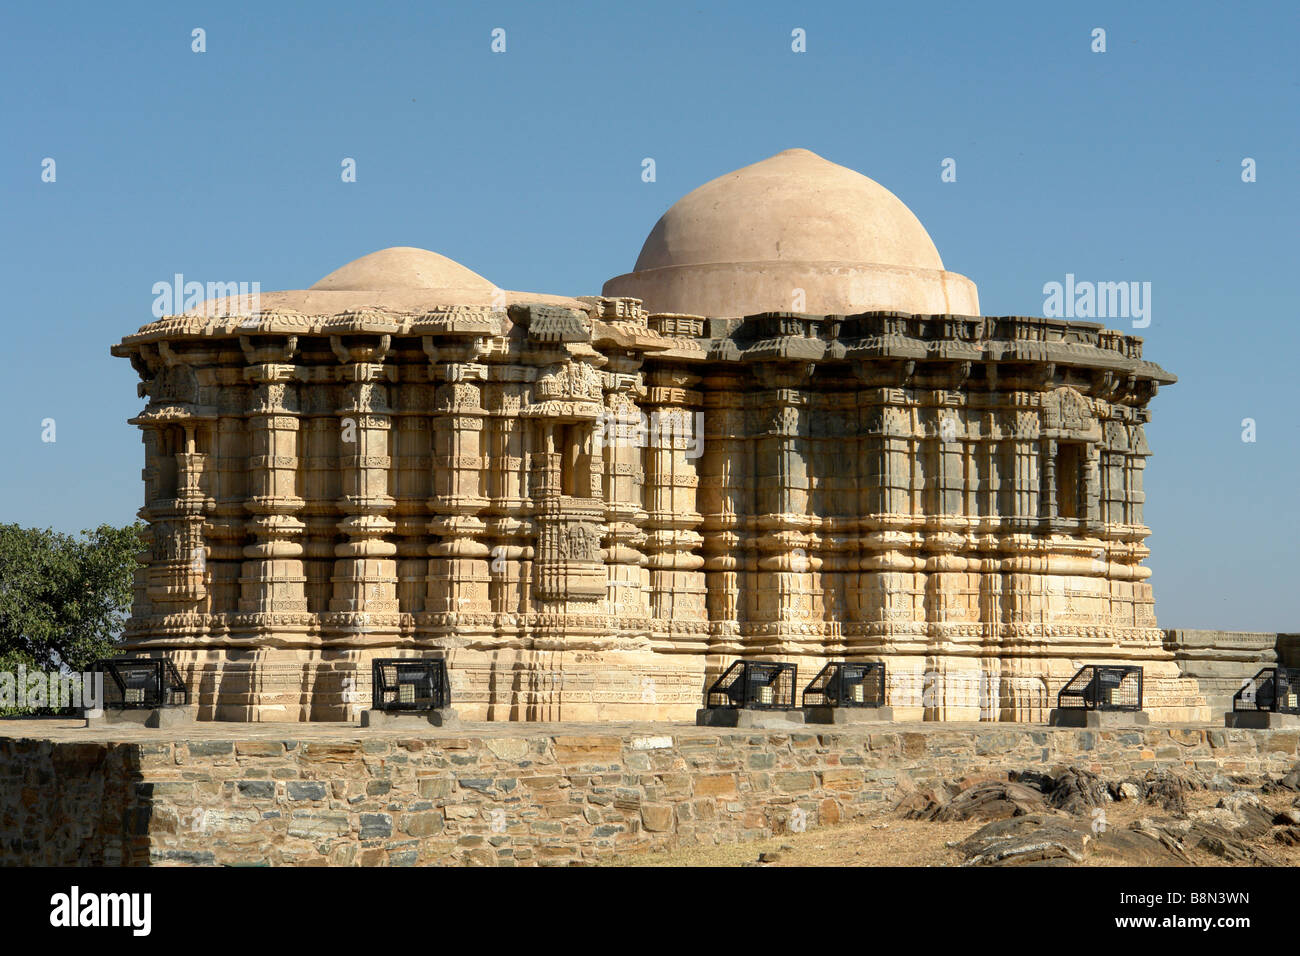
(401, 268)
(398, 279)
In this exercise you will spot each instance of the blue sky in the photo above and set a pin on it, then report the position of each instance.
(526, 167)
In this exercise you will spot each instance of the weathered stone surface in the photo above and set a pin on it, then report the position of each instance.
(1169, 787)
(1076, 790)
(526, 472)
(1250, 818)
(311, 824)
(306, 790)
(1031, 839)
(1037, 840)
(988, 801)
(588, 749)
(376, 826)
(1138, 847)
(507, 748)
(341, 791)
(657, 817)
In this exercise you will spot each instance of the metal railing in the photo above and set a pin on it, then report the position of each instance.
(1274, 689)
(756, 685)
(1103, 687)
(140, 683)
(410, 683)
(847, 684)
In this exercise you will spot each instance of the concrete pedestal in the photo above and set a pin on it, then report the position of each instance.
(741, 717)
(156, 718)
(410, 720)
(847, 715)
(1094, 719)
(1261, 720)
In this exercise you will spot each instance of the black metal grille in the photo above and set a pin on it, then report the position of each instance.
(1275, 689)
(133, 683)
(757, 685)
(847, 684)
(1103, 687)
(410, 683)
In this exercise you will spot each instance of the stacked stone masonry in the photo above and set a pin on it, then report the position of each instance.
(551, 796)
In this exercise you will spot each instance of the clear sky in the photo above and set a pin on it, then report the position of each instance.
(526, 166)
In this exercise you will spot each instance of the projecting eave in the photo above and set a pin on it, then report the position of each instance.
(472, 315)
(945, 338)
(612, 335)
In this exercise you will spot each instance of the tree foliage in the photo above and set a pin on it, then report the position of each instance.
(63, 598)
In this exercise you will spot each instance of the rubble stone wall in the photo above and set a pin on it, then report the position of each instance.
(368, 798)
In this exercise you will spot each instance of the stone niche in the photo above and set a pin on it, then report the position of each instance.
(593, 509)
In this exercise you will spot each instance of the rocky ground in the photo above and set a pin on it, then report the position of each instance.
(1069, 818)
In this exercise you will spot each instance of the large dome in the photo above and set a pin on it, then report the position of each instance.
(795, 232)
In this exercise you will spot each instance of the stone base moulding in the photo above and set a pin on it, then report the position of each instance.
(155, 718)
(744, 717)
(407, 720)
(1092, 719)
(1261, 720)
(847, 715)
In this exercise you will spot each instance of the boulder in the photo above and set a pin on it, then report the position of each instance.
(1169, 788)
(1035, 839)
(1134, 846)
(989, 801)
(1077, 791)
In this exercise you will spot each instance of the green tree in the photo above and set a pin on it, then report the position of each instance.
(63, 598)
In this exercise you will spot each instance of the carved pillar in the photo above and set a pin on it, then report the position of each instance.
(322, 485)
(412, 484)
(886, 598)
(175, 422)
(990, 462)
(141, 606)
(508, 516)
(1049, 507)
(621, 434)
(227, 524)
(677, 589)
(178, 572)
(724, 505)
(365, 574)
(1137, 463)
(782, 484)
(947, 602)
(1112, 461)
(1144, 614)
(459, 556)
(1023, 452)
(272, 576)
(835, 515)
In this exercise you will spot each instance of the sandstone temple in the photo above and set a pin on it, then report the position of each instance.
(788, 434)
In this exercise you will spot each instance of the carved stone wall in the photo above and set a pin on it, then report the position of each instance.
(592, 511)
